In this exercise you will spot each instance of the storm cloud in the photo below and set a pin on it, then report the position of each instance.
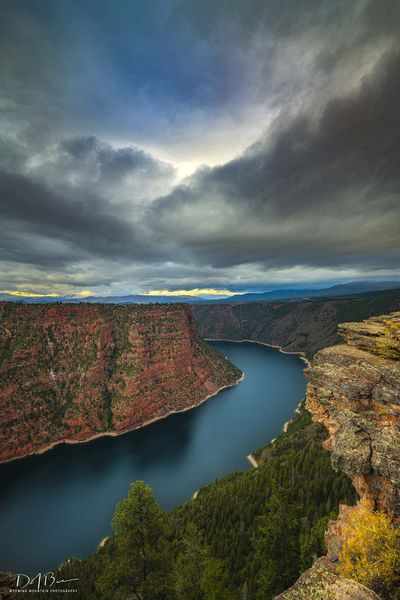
(287, 112)
(324, 191)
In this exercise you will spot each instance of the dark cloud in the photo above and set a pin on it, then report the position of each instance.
(316, 84)
(38, 221)
(325, 190)
(80, 200)
(171, 69)
(105, 163)
(126, 175)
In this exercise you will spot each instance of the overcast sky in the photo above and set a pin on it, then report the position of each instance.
(180, 144)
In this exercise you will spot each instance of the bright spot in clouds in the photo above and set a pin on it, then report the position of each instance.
(28, 294)
(82, 293)
(193, 292)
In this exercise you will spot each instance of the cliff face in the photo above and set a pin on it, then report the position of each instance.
(295, 326)
(69, 372)
(354, 390)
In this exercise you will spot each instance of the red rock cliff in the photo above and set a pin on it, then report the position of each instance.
(70, 372)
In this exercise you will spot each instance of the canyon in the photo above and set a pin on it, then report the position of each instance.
(70, 373)
(73, 372)
(294, 326)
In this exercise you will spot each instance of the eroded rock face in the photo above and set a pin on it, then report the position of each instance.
(69, 372)
(354, 391)
(295, 326)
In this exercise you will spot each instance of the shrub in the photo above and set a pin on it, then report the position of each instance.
(371, 552)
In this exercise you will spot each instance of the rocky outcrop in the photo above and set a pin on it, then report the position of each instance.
(295, 326)
(322, 583)
(72, 372)
(354, 391)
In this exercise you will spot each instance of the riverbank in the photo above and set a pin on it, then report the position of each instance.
(301, 355)
(252, 460)
(70, 442)
(176, 457)
(287, 423)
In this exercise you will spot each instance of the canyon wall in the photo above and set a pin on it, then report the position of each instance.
(354, 391)
(71, 372)
(296, 325)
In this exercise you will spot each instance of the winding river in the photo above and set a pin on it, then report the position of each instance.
(60, 503)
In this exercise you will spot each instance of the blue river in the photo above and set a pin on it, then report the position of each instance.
(60, 504)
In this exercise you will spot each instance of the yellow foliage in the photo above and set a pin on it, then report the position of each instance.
(371, 552)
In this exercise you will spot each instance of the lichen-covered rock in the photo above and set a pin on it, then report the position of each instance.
(71, 372)
(354, 390)
(321, 583)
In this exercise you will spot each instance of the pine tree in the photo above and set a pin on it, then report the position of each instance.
(214, 581)
(198, 575)
(139, 565)
(277, 545)
(312, 541)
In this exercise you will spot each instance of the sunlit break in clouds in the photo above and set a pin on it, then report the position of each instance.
(204, 148)
(203, 292)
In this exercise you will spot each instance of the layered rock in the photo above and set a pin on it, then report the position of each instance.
(354, 391)
(71, 372)
(295, 326)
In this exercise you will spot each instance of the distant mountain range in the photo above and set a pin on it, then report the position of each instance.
(345, 289)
